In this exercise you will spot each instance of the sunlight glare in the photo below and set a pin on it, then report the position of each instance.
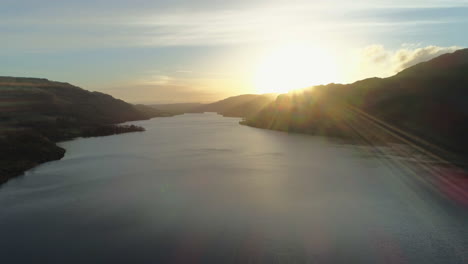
(294, 67)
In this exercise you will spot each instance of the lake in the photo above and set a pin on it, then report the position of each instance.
(200, 188)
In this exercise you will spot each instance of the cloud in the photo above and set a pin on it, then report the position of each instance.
(405, 57)
(376, 60)
(157, 80)
(71, 25)
(375, 53)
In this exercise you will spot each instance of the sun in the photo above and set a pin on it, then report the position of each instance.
(294, 67)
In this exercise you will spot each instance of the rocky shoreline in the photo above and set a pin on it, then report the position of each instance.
(24, 150)
(37, 113)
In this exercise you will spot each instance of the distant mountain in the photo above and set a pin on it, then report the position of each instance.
(236, 106)
(177, 108)
(35, 113)
(150, 112)
(424, 104)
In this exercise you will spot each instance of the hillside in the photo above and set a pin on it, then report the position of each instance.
(38, 100)
(424, 104)
(35, 113)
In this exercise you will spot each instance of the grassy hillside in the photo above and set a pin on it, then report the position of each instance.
(26, 100)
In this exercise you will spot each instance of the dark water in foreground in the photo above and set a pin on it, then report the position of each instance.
(203, 189)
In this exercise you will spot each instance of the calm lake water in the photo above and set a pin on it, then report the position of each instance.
(201, 188)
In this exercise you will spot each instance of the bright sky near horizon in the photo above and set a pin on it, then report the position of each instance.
(151, 51)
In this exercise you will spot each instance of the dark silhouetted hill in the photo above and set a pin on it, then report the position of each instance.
(23, 151)
(426, 104)
(32, 99)
(34, 113)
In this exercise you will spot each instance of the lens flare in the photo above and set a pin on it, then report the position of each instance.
(294, 67)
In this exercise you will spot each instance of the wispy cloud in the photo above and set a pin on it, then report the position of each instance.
(407, 57)
(378, 61)
(183, 24)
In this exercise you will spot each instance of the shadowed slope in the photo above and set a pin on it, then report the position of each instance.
(35, 113)
(426, 103)
(40, 99)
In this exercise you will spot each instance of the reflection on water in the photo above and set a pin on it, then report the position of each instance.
(202, 189)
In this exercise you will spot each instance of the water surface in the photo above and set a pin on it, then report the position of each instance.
(200, 188)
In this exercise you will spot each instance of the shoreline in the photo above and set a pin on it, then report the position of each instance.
(434, 155)
(28, 149)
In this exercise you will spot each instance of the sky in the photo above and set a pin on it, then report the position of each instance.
(168, 51)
